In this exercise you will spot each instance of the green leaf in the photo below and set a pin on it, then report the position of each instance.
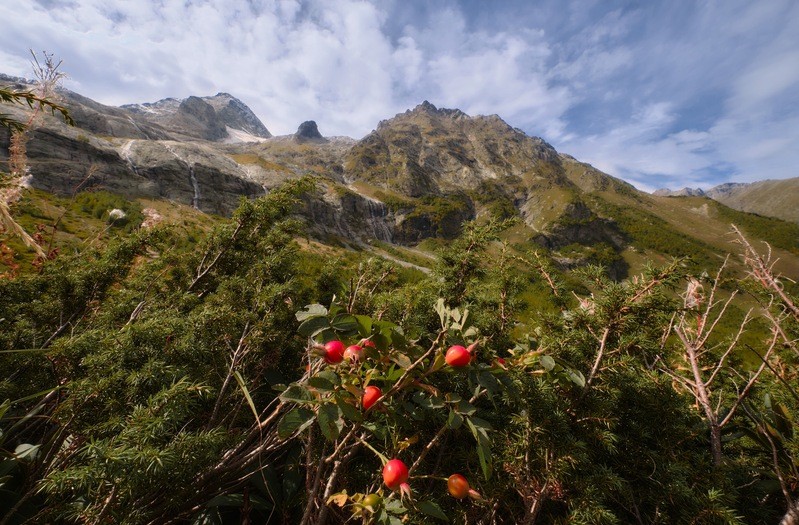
(466, 320)
(364, 325)
(297, 420)
(330, 421)
(345, 323)
(433, 510)
(402, 360)
(296, 394)
(442, 311)
(394, 506)
(481, 424)
(247, 396)
(312, 326)
(453, 398)
(349, 411)
(484, 454)
(320, 383)
(547, 362)
(312, 310)
(577, 378)
(489, 382)
(208, 517)
(454, 420)
(483, 445)
(330, 376)
(472, 331)
(465, 408)
(398, 338)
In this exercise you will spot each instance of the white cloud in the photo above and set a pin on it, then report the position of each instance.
(669, 93)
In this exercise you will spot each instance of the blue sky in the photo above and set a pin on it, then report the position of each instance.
(660, 93)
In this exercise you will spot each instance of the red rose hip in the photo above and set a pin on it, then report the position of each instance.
(370, 396)
(354, 353)
(458, 356)
(334, 352)
(395, 473)
(458, 486)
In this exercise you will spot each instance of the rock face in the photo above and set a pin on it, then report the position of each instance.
(308, 131)
(428, 150)
(235, 114)
(332, 209)
(206, 118)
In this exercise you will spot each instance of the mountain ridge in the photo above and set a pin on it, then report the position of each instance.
(418, 175)
(771, 197)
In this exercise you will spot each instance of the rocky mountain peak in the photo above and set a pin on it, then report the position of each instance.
(427, 108)
(685, 192)
(207, 118)
(308, 131)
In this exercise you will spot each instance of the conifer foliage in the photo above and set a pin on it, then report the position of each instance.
(150, 384)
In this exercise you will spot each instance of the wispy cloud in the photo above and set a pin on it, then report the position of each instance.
(662, 94)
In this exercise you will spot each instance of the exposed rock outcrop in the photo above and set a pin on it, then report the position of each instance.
(308, 132)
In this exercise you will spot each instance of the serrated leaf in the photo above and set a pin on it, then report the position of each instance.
(330, 376)
(311, 310)
(453, 398)
(296, 420)
(432, 509)
(320, 383)
(483, 446)
(344, 323)
(402, 360)
(364, 325)
(547, 362)
(394, 506)
(313, 326)
(330, 421)
(398, 338)
(472, 331)
(349, 411)
(381, 341)
(297, 394)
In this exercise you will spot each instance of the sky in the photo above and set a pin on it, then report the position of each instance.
(661, 93)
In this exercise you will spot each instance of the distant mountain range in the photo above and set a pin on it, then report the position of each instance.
(772, 198)
(417, 176)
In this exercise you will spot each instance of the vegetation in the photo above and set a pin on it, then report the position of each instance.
(148, 383)
(229, 373)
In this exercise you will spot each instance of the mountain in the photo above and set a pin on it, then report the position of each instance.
(771, 198)
(685, 192)
(419, 175)
(221, 117)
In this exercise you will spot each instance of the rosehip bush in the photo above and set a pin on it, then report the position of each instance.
(394, 454)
